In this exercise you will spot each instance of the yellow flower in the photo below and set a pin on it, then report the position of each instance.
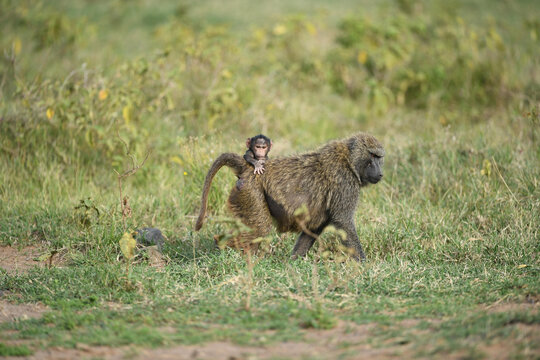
(279, 29)
(102, 95)
(185, 173)
(50, 113)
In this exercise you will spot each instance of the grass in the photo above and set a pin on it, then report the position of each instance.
(450, 234)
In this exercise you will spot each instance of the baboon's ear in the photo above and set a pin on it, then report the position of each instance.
(248, 143)
(270, 145)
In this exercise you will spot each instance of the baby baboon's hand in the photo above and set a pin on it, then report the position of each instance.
(259, 169)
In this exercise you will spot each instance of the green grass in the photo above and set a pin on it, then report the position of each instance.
(450, 234)
(6, 350)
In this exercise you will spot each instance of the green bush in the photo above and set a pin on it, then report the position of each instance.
(424, 59)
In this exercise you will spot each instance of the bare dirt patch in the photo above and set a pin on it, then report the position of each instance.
(346, 340)
(220, 350)
(82, 352)
(15, 260)
(532, 305)
(11, 312)
(524, 336)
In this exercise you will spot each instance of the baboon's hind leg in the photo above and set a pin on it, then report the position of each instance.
(249, 205)
(302, 246)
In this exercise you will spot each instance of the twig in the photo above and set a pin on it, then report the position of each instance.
(504, 182)
(134, 168)
(250, 265)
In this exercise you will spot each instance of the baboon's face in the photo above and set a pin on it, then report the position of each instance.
(260, 149)
(372, 171)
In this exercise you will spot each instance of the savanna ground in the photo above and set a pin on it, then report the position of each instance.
(451, 234)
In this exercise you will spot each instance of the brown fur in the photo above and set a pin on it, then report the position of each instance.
(235, 162)
(326, 182)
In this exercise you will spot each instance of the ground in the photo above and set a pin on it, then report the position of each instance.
(346, 340)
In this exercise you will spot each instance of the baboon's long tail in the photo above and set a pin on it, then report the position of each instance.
(235, 162)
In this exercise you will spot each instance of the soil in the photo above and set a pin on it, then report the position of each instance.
(320, 344)
(15, 260)
(346, 341)
(13, 312)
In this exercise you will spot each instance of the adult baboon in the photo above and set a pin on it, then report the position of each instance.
(325, 182)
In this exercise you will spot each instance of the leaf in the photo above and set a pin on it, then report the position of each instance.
(126, 113)
(443, 120)
(522, 266)
(127, 245)
(311, 29)
(259, 35)
(227, 74)
(44, 257)
(475, 239)
(176, 159)
(89, 137)
(362, 57)
(486, 168)
(170, 102)
(50, 113)
(17, 46)
(302, 213)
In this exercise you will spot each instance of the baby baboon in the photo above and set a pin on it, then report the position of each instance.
(325, 182)
(257, 152)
